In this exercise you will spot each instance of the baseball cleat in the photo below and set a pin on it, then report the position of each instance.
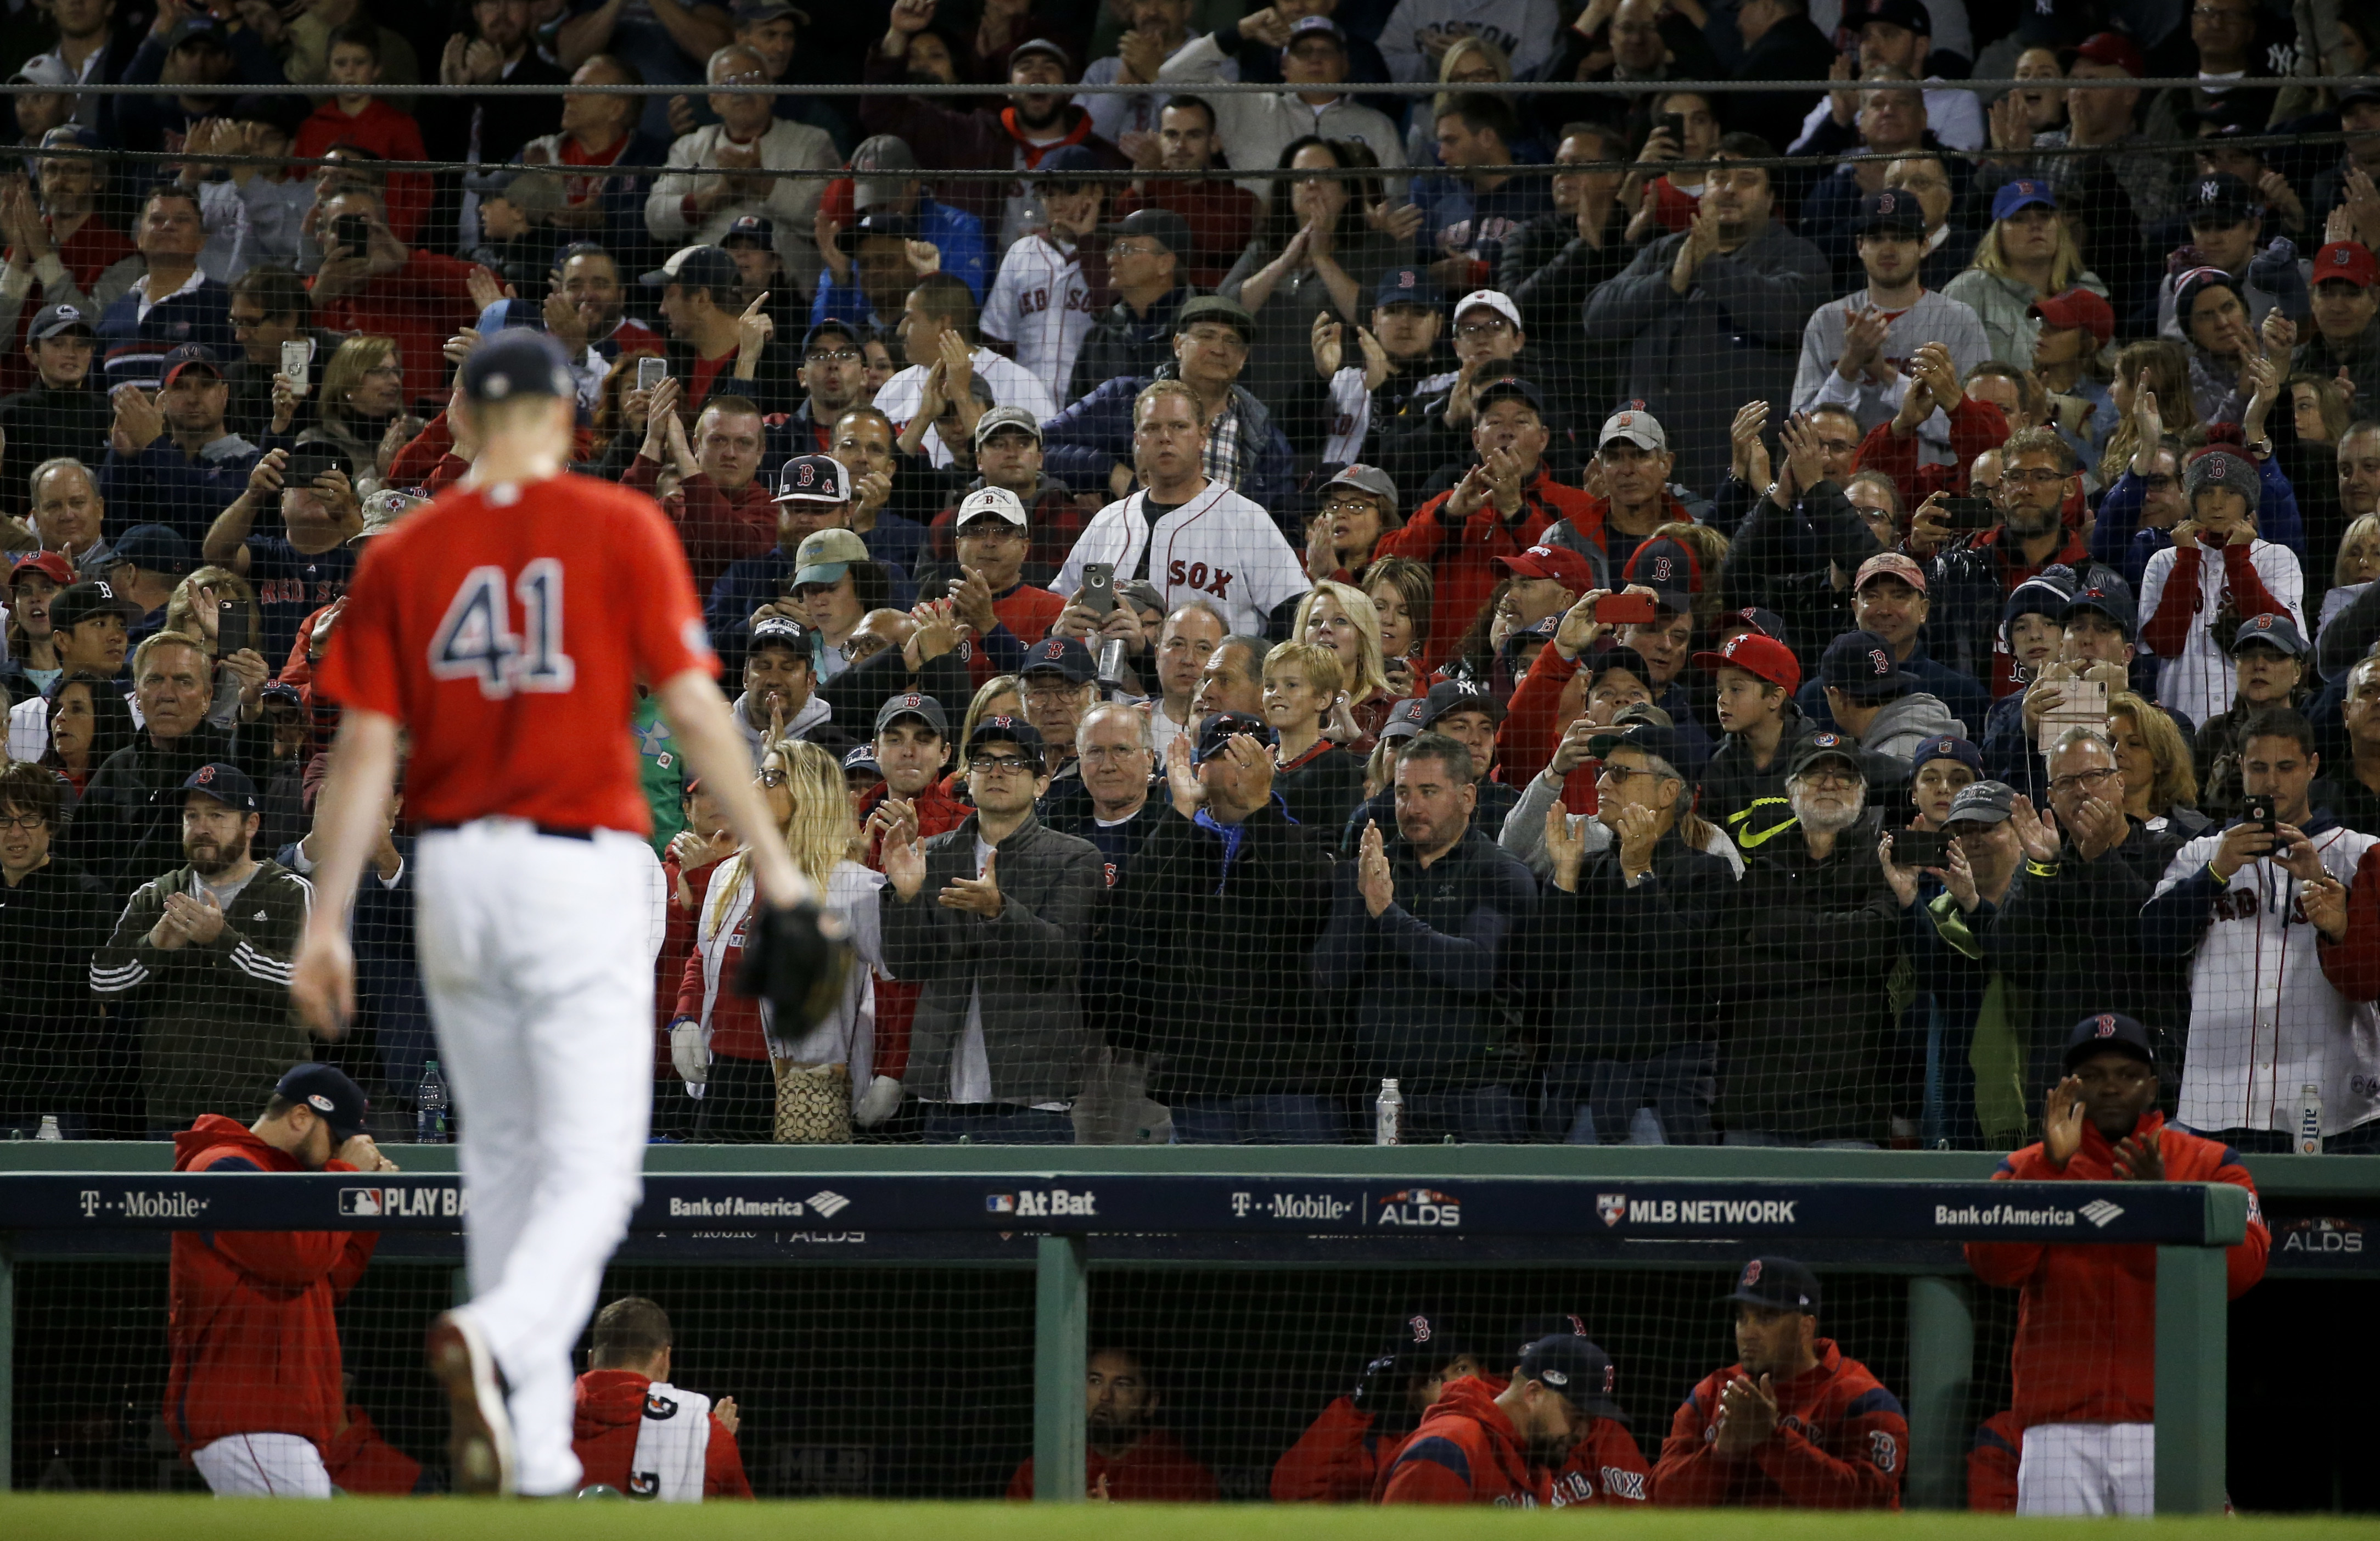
(480, 1446)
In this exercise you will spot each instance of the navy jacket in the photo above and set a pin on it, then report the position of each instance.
(134, 347)
(1082, 444)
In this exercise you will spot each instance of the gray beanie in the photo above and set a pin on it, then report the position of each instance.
(2223, 467)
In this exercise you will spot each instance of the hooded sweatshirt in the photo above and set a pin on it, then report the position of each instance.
(1907, 722)
(254, 1340)
(613, 1408)
(1466, 1450)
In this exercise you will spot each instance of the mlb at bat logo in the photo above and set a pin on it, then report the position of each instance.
(404, 1202)
(1421, 1208)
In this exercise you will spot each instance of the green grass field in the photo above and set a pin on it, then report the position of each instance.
(101, 1518)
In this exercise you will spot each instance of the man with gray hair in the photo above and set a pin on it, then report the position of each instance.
(69, 514)
(1804, 1014)
(1109, 802)
(686, 208)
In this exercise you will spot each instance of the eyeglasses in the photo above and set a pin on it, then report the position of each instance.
(771, 778)
(2081, 781)
(1495, 328)
(1833, 781)
(1838, 447)
(862, 647)
(1125, 249)
(1051, 693)
(22, 822)
(1350, 507)
(1004, 765)
(834, 355)
(1618, 774)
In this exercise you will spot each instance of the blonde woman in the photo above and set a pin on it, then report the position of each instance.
(363, 389)
(1469, 64)
(2027, 253)
(724, 1042)
(1342, 618)
(1001, 696)
(2357, 567)
(2160, 782)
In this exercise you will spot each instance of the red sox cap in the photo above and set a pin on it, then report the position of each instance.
(912, 703)
(1561, 563)
(2352, 260)
(227, 785)
(1779, 1283)
(1759, 655)
(2103, 1031)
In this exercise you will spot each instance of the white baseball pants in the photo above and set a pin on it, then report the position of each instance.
(262, 1466)
(537, 957)
(2088, 1469)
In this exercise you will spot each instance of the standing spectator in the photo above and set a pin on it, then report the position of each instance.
(1970, 579)
(269, 306)
(912, 749)
(305, 566)
(1554, 261)
(2268, 665)
(53, 915)
(384, 288)
(1339, 1457)
(1040, 301)
(723, 511)
(171, 303)
(1319, 783)
(1853, 351)
(1149, 258)
(68, 516)
(2351, 791)
(2227, 902)
(1780, 42)
(748, 139)
(886, 192)
(254, 1395)
(1889, 599)
(1804, 1018)
(938, 329)
(212, 986)
(639, 1436)
(1477, 1445)
(2187, 596)
(1128, 1456)
(1418, 33)
(88, 637)
(713, 348)
(1795, 1422)
(1712, 315)
(65, 412)
(1004, 614)
(57, 234)
(1871, 698)
(998, 1048)
(597, 131)
(1105, 794)
(1468, 216)
(669, 42)
(1243, 1054)
(2027, 256)
(171, 461)
(2342, 339)
(1219, 214)
(374, 123)
(1188, 639)
(1255, 128)
(1418, 926)
(35, 579)
(2085, 1355)
(2101, 121)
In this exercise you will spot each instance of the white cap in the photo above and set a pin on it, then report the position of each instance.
(1637, 426)
(999, 500)
(1495, 299)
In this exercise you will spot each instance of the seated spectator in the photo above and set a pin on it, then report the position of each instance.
(1744, 786)
(1942, 768)
(597, 131)
(65, 412)
(1731, 1444)
(1477, 1445)
(269, 306)
(670, 50)
(1059, 683)
(814, 493)
(1685, 128)
(185, 57)
(1220, 215)
(1552, 261)
(171, 460)
(212, 992)
(1004, 614)
(1013, 966)
(2027, 255)
(1937, 182)
(1877, 702)
(1889, 600)
(2160, 788)
(54, 918)
(2342, 339)
(1804, 1024)
(304, 567)
(352, 57)
(1128, 1458)
(1211, 540)
(1254, 129)
(1107, 793)
(2235, 1046)
(1629, 1063)
(88, 630)
(1148, 256)
(723, 511)
(1900, 35)
(382, 287)
(58, 237)
(90, 719)
(2183, 593)
(1736, 287)
(1339, 1457)
(1007, 455)
(363, 396)
(1414, 951)
(32, 642)
(1632, 459)
(1393, 400)
(939, 328)
(685, 209)
(780, 697)
(885, 187)
(1342, 618)
(171, 303)
(2101, 121)
(867, 272)
(711, 348)
(2351, 791)
(1318, 783)
(1891, 123)
(627, 1408)
(1854, 352)
(1359, 506)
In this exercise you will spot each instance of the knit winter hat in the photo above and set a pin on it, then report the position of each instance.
(2222, 467)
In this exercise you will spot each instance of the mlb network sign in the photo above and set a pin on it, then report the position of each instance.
(1614, 1208)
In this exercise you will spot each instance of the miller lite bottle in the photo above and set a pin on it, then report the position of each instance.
(2310, 1121)
(1390, 1114)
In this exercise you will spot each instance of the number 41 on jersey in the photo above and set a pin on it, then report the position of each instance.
(476, 640)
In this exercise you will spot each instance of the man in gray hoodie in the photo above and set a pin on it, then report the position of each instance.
(1878, 701)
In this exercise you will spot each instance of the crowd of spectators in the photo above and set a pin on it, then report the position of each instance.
(1744, 636)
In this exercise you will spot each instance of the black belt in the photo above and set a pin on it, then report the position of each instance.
(554, 831)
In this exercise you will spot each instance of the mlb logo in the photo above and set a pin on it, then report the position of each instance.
(1614, 1208)
(1000, 1204)
(1751, 1275)
(360, 1202)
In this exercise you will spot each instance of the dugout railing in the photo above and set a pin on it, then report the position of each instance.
(1068, 1215)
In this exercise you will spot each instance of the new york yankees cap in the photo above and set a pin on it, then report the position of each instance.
(1452, 695)
(1779, 1283)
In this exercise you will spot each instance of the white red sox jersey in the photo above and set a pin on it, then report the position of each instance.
(1217, 547)
(1012, 385)
(1041, 305)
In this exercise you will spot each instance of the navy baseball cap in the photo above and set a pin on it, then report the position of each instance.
(1164, 227)
(1768, 623)
(1512, 388)
(1063, 655)
(813, 479)
(52, 320)
(516, 362)
(1405, 719)
(1668, 568)
(1891, 212)
(1621, 656)
(917, 704)
(1861, 665)
(2112, 596)
(2107, 1030)
(1779, 1283)
(1006, 729)
(1569, 1366)
(334, 1099)
(190, 356)
(1408, 287)
(227, 785)
(155, 549)
(2023, 193)
(2268, 630)
(1218, 730)
(862, 757)
(1650, 738)
(1983, 803)
(1549, 1325)
(1423, 1339)
(831, 327)
(1948, 746)
(778, 632)
(2221, 200)
(1452, 695)
(1066, 157)
(1818, 746)
(77, 603)
(697, 267)
(748, 227)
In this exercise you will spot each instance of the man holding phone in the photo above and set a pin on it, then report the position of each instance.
(170, 460)
(308, 565)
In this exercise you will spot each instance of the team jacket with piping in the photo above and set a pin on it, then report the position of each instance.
(1466, 1450)
(1603, 1467)
(604, 1437)
(255, 1343)
(1218, 547)
(2273, 1007)
(2085, 1329)
(1338, 1460)
(217, 1025)
(1840, 1443)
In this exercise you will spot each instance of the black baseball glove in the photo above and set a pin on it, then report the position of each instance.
(796, 959)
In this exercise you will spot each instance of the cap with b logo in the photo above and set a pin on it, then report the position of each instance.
(995, 503)
(1861, 665)
(1573, 1367)
(813, 479)
(1405, 719)
(1563, 566)
(1061, 655)
(333, 1098)
(2106, 1030)
(2269, 630)
(1779, 1283)
(1369, 479)
(1005, 730)
(2352, 260)
(1670, 568)
(1891, 212)
(1635, 426)
(1408, 287)
(913, 704)
(1757, 654)
(227, 785)
(2023, 193)
(1890, 565)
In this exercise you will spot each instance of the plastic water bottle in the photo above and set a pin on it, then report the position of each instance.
(1389, 1113)
(49, 1129)
(430, 1107)
(2310, 1121)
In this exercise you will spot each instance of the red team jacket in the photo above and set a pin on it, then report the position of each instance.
(1461, 557)
(254, 1339)
(1156, 1470)
(1992, 1463)
(604, 1437)
(2086, 1320)
(1466, 1450)
(1337, 1460)
(1841, 1443)
(359, 1461)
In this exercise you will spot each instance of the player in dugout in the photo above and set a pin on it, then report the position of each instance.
(1481, 1446)
(1606, 1467)
(637, 1435)
(1794, 1424)
(1339, 1457)
(254, 1395)
(2085, 1356)
(1129, 1459)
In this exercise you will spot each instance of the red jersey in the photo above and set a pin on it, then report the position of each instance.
(507, 627)
(1840, 1442)
(2086, 1319)
(603, 1436)
(1466, 1450)
(1337, 1460)
(1603, 1467)
(1156, 1470)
